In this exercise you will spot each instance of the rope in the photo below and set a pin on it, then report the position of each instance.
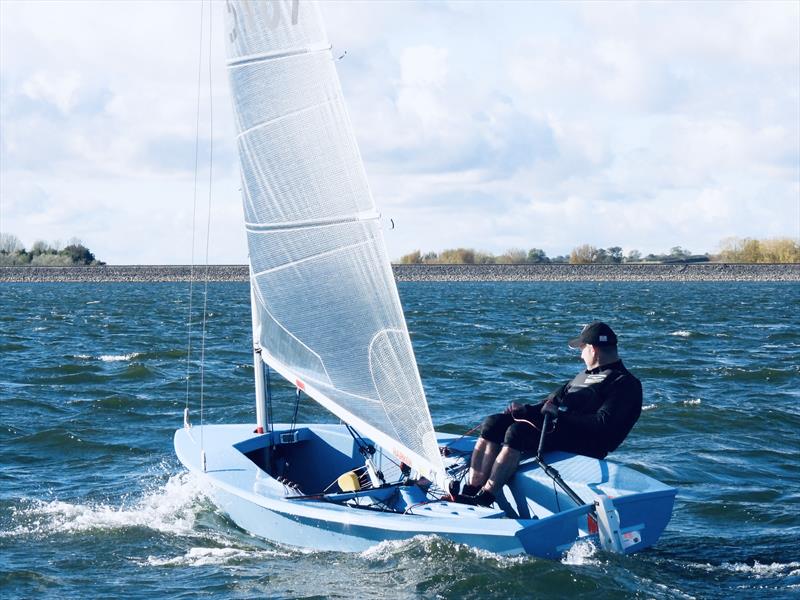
(208, 227)
(532, 424)
(194, 207)
(455, 441)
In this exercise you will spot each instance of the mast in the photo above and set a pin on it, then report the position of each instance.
(258, 368)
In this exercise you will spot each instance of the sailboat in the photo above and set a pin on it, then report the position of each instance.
(326, 316)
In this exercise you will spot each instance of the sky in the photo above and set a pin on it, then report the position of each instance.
(489, 125)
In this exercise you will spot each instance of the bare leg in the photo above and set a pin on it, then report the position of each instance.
(504, 467)
(483, 458)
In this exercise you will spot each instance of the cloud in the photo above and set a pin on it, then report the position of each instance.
(486, 124)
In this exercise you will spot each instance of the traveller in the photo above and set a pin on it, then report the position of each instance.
(590, 415)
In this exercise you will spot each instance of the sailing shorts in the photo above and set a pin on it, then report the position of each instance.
(519, 435)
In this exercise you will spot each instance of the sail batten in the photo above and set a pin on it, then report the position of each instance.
(265, 56)
(311, 223)
(258, 126)
(319, 255)
(330, 318)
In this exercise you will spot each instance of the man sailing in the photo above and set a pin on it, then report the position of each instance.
(590, 415)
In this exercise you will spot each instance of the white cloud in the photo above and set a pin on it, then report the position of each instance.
(645, 125)
(58, 89)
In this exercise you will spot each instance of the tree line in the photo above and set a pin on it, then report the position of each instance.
(734, 250)
(44, 254)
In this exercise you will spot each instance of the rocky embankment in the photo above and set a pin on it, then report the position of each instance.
(557, 272)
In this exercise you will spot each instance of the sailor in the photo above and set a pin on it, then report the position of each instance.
(590, 415)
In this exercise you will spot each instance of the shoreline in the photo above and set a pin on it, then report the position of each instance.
(442, 273)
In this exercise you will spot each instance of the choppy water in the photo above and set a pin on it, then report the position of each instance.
(93, 502)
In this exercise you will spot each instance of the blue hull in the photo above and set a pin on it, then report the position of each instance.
(544, 522)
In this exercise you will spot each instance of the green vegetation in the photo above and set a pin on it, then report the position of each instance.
(42, 254)
(747, 250)
(780, 250)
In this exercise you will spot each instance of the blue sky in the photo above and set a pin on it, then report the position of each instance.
(489, 125)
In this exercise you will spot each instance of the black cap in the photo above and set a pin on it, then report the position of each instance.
(596, 334)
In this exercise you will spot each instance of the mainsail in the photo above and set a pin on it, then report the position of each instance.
(328, 314)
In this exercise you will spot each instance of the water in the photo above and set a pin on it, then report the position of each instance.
(93, 502)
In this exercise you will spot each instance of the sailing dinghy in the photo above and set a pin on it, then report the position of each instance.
(327, 317)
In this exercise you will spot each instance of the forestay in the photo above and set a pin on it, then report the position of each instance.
(329, 316)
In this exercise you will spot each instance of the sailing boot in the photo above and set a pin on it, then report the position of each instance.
(482, 498)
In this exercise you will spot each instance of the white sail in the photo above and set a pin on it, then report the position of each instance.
(329, 316)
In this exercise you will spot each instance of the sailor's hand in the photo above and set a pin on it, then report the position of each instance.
(513, 407)
(557, 395)
(550, 408)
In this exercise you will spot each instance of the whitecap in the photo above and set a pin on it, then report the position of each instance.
(648, 407)
(681, 333)
(168, 510)
(93, 302)
(581, 553)
(117, 357)
(388, 548)
(761, 570)
(201, 557)
(757, 569)
(692, 402)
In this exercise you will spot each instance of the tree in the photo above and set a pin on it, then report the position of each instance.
(614, 254)
(78, 253)
(537, 255)
(430, 257)
(582, 255)
(484, 258)
(513, 256)
(51, 260)
(457, 256)
(10, 244)
(600, 256)
(747, 250)
(41, 247)
(414, 258)
(633, 256)
(678, 252)
(781, 250)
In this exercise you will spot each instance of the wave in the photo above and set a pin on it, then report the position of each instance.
(682, 333)
(581, 553)
(107, 357)
(201, 557)
(431, 546)
(118, 357)
(757, 570)
(170, 509)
